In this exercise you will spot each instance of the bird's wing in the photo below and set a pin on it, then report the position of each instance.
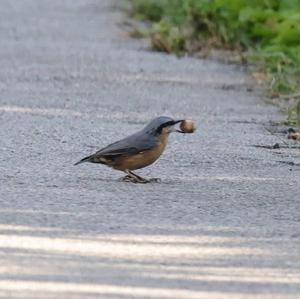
(131, 145)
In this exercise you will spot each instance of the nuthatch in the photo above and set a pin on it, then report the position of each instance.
(138, 150)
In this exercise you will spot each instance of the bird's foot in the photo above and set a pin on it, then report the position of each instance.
(125, 178)
(132, 179)
(139, 180)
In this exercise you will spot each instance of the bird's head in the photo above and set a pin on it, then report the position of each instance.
(162, 125)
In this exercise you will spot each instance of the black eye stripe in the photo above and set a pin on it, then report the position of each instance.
(166, 124)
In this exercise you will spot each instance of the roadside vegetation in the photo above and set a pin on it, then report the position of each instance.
(263, 32)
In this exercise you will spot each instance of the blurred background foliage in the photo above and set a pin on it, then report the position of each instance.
(266, 32)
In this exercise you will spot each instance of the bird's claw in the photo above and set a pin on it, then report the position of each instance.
(131, 179)
(128, 178)
(139, 180)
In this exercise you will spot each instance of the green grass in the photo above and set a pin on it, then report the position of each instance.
(266, 32)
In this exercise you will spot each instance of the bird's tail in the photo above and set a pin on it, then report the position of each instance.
(86, 159)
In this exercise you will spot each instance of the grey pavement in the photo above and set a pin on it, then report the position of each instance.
(223, 223)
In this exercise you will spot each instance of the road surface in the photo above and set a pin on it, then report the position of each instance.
(223, 223)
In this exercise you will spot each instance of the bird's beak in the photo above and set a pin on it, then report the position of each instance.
(176, 122)
(179, 131)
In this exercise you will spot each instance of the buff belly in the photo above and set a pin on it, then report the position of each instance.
(141, 159)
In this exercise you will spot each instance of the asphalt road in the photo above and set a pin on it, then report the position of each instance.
(223, 223)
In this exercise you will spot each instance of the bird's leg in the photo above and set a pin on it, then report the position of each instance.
(134, 178)
(152, 180)
(128, 178)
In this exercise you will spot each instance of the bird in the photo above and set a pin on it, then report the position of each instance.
(138, 150)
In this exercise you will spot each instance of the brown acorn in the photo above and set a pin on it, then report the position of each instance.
(188, 126)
